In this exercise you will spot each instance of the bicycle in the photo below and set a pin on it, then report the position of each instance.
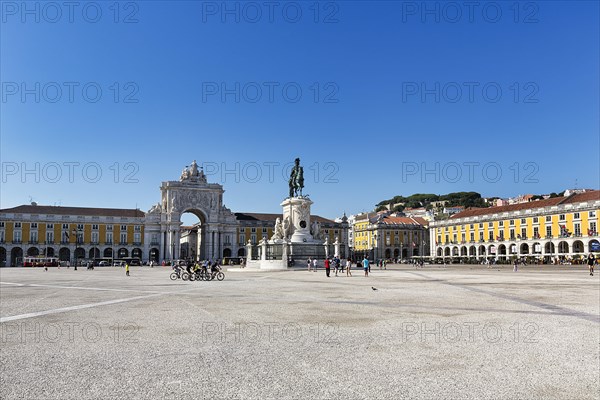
(217, 274)
(176, 274)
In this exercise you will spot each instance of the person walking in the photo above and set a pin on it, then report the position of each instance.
(348, 267)
(309, 264)
(366, 266)
(327, 267)
(315, 264)
(127, 269)
(591, 261)
(516, 265)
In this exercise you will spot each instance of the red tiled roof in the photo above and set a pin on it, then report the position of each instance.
(404, 221)
(59, 210)
(576, 198)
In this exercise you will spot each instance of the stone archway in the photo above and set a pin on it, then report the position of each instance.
(192, 194)
(2, 257)
(94, 253)
(16, 256)
(154, 254)
(64, 254)
(136, 253)
(193, 241)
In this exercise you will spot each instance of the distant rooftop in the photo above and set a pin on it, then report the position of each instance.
(576, 198)
(84, 211)
(273, 217)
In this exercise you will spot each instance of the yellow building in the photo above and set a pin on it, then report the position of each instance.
(551, 230)
(383, 235)
(70, 233)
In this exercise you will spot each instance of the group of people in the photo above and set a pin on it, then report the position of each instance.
(341, 265)
(194, 267)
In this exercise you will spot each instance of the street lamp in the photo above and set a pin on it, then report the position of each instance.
(76, 233)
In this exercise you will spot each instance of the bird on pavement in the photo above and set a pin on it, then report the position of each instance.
(373, 288)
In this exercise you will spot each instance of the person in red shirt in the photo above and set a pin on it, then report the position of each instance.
(327, 267)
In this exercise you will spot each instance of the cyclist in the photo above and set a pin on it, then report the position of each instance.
(214, 268)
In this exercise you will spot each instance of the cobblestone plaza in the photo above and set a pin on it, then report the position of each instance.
(465, 331)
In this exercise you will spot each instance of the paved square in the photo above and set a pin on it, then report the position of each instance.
(461, 332)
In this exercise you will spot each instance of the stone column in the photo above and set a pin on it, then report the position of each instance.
(249, 250)
(263, 247)
(177, 243)
(167, 255)
(284, 254)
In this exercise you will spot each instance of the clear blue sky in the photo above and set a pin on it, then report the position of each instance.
(375, 64)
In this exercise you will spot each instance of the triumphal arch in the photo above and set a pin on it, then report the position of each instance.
(191, 193)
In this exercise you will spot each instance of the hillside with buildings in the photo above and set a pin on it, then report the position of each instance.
(439, 207)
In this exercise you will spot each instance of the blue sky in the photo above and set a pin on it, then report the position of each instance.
(502, 99)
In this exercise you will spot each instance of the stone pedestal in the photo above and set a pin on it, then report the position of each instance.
(297, 211)
(249, 250)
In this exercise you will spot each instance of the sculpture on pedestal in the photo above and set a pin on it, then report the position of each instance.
(316, 230)
(193, 174)
(296, 182)
(278, 232)
(286, 228)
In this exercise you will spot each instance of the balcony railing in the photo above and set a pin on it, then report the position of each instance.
(33, 242)
(137, 243)
(64, 242)
(49, 242)
(95, 242)
(153, 243)
(108, 243)
(16, 241)
(122, 243)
